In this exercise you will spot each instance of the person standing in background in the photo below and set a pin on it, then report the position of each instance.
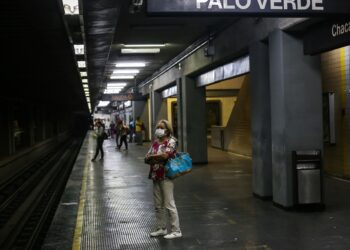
(132, 130)
(118, 128)
(99, 140)
(112, 128)
(139, 128)
(123, 136)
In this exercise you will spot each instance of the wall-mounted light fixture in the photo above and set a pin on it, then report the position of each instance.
(71, 7)
(79, 49)
(81, 64)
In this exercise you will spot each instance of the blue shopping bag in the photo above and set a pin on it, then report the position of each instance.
(180, 165)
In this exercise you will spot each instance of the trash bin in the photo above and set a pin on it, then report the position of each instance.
(308, 179)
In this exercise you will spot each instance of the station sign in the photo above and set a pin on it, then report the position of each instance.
(251, 7)
(328, 35)
(123, 97)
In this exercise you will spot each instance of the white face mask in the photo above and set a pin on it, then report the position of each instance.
(159, 133)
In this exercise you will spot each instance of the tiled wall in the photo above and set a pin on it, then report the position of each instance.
(336, 78)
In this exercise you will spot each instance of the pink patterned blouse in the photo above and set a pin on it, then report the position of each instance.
(168, 146)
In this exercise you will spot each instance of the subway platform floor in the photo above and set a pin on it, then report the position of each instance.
(108, 205)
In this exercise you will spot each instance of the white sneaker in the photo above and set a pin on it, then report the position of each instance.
(173, 235)
(159, 232)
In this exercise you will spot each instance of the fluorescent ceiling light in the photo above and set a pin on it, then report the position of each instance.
(85, 86)
(120, 84)
(122, 77)
(126, 71)
(71, 7)
(141, 51)
(114, 89)
(85, 80)
(82, 74)
(143, 45)
(110, 91)
(103, 103)
(79, 49)
(81, 64)
(130, 64)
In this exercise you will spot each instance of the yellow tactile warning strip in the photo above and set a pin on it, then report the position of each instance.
(80, 217)
(344, 65)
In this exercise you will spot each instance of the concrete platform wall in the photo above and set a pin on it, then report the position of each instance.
(238, 130)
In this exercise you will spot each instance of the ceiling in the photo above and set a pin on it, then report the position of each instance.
(38, 56)
(110, 24)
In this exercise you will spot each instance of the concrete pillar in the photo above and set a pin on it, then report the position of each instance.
(192, 123)
(180, 119)
(138, 108)
(261, 120)
(156, 103)
(296, 109)
(163, 111)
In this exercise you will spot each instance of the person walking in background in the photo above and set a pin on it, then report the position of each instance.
(123, 136)
(139, 128)
(118, 128)
(99, 140)
(112, 128)
(163, 148)
(132, 130)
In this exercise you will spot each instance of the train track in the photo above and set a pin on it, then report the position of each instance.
(29, 199)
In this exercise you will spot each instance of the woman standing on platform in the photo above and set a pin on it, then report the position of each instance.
(163, 148)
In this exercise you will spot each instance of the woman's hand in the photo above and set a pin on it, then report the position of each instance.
(156, 159)
(147, 159)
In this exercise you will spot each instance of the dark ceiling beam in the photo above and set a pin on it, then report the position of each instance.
(100, 23)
